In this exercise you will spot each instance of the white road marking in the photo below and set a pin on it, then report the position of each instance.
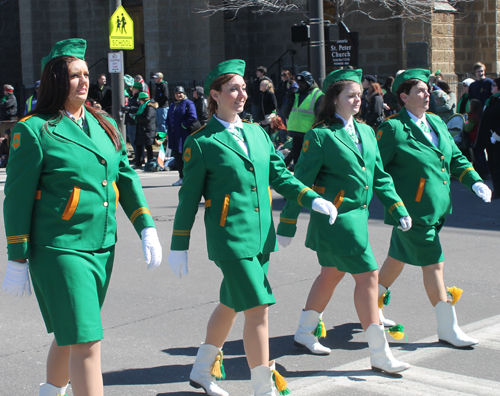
(417, 381)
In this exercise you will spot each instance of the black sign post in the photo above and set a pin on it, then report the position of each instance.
(344, 51)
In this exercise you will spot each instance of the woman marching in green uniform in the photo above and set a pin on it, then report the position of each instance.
(59, 214)
(233, 165)
(341, 159)
(421, 156)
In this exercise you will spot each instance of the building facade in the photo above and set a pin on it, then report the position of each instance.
(171, 36)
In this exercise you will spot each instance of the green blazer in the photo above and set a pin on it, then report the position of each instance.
(421, 172)
(63, 187)
(236, 188)
(342, 174)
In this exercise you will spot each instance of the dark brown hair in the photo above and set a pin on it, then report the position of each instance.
(287, 72)
(406, 87)
(443, 85)
(475, 107)
(217, 86)
(54, 90)
(388, 83)
(327, 110)
(478, 65)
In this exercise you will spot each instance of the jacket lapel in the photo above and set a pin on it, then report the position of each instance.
(415, 132)
(69, 130)
(440, 134)
(342, 135)
(224, 136)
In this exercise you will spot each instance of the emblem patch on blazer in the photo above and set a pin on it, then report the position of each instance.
(187, 154)
(379, 135)
(16, 140)
(305, 146)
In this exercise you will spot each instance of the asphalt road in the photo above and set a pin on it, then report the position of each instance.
(153, 322)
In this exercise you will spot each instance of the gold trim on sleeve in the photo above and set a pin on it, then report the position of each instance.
(139, 212)
(182, 232)
(18, 238)
(464, 173)
(301, 194)
(395, 205)
(288, 221)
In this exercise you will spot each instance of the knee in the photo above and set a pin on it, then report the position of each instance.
(86, 349)
(257, 314)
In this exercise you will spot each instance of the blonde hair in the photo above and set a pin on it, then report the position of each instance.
(269, 85)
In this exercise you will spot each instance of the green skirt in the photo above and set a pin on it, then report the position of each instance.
(70, 287)
(359, 264)
(419, 246)
(245, 283)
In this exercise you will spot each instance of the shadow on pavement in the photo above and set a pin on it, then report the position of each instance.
(339, 337)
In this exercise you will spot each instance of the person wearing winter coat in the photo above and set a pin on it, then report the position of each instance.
(8, 104)
(146, 127)
(181, 116)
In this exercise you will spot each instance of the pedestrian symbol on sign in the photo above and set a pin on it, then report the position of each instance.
(121, 30)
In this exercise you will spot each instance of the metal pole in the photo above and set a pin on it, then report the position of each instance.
(117, 85)
(317, 42)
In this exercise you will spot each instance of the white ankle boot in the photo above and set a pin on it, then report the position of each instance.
(385, 322)
(201, 376)
(263, 382)
(448, 330)
(304, 337)
(380, 354)
(51, 390)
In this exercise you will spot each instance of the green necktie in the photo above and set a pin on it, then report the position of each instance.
(83, 125)
(352, 133)
(238, 134)
(424, 127)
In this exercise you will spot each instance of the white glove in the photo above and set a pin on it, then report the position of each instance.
(482, 191)
(17, 279)
(495, 136)
(321, 205)
(405, 222)
(493, 140)
(151, 247)
(178, 261)
(283, 240)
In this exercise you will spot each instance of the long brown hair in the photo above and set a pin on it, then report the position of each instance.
(54, 90)
(327, 110)
(375, 87)
(217, 86)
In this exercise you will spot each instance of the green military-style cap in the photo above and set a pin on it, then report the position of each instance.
(137, 85)
(420, 74)
(71, 47)
(342, 75)
(236, 66)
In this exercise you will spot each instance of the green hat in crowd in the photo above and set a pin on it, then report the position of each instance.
(236, 66)
(342, 75)
(137, 85)
(128, 80)
(420, 74)
(143, 95)
(71, 47)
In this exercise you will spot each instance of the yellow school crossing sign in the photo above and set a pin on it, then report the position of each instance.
(121, 30)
